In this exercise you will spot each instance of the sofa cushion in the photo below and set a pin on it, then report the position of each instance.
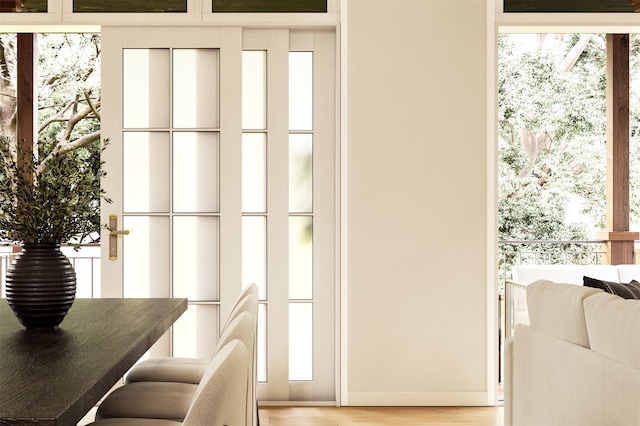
(613, 326)
(557, 309)
(629, 290)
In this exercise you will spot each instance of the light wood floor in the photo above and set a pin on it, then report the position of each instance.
(379, 416)
(373, 416)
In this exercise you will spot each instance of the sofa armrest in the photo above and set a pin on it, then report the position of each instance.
(507, 380)
(555, 382)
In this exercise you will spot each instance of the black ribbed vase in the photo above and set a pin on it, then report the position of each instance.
(41, 286)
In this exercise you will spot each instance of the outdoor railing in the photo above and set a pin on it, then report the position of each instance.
(86, 262)
(536, 252)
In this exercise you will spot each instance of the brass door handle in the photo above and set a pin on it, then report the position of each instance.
(113, 236)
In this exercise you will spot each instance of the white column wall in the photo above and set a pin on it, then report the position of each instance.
(416, 286)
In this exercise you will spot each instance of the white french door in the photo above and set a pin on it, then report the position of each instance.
(222, 168)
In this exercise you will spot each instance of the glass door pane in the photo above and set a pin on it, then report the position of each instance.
(254, 172)
(145, 88)
(254, 89)
(145, 255)
(301, 341)
(195, 172)
(300, 90)
(146, 162)
(195, 88)
(301, 173)
(195, 257)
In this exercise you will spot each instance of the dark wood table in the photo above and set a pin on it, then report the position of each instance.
(56, 377)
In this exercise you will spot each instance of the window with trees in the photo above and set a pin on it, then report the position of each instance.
(68, 100)
(553, 138)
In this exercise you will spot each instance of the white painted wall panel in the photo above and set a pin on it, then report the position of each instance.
(417, 202)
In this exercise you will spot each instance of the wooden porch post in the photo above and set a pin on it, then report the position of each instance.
(27, 54)
(620, 242)
(26, 108)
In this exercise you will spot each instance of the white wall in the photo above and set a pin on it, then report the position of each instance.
(417, 201)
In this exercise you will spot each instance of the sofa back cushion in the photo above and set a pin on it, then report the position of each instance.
(557, 309)
(569, 274)
(613, 326)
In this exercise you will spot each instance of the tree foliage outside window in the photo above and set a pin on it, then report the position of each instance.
(551, 136)
(552, 139)
(68, 105)
(551, 146)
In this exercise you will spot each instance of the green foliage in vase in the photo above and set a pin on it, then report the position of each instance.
(54, 197)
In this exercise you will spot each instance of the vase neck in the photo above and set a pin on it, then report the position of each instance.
(41, 246)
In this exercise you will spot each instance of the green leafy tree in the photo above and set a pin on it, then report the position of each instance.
(552, 144)
(551, 137)
(7, 84)
(69, 121)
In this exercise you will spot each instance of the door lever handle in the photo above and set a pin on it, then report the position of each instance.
(113, 236)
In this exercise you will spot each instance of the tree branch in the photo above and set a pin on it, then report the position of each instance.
(54, 118)
(70, 146)
(92, 106)
(572, 57)
(75, 119)
(59, 116)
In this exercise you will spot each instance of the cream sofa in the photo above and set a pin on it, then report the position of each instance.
(578, 363)
(521, 275)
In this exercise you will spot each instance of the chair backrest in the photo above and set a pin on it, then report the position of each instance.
(221, 396)
(246, 301)
(243, 328)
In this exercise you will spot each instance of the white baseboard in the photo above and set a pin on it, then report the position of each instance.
(406, 399)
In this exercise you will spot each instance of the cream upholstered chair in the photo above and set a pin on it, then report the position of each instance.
(232, 406)
(190, 370)
(220, 398)
(171, 400)
(246, 301)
